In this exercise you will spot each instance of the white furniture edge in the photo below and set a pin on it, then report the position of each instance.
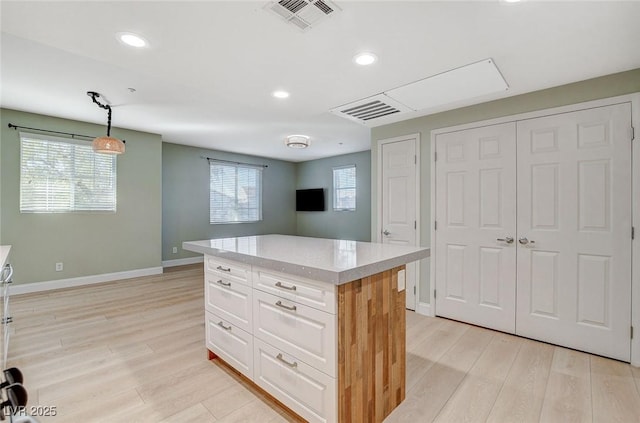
(182, 261)
(27, 288)
(634, 99)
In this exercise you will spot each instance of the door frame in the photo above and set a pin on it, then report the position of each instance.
(418, 307)
(634, 99)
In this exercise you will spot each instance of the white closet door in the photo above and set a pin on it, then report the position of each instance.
(574, 225)
(475, 209)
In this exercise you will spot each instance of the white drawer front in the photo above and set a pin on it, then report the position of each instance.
(230, 343)
(228, 268)
(308, 392)
(302, 331)
(319, 295)
(229, 299)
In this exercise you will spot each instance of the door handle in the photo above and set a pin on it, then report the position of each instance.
(508, 240)
(525, 241)
(386, 233)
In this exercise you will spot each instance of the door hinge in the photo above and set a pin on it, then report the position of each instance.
(434, 294)
(415, 159)
(633, 133)
(435, 156)
(415, 224)
(414, 290)
(631, 332)
(633, 232)
(435, 225)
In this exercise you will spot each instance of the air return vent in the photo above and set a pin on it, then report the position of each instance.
(303, 14)
(369, 109)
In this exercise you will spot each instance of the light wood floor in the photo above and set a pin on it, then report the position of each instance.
(133, 351)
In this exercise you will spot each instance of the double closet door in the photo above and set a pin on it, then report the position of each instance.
(533, 229)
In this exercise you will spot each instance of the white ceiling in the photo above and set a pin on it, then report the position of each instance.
(206, 80)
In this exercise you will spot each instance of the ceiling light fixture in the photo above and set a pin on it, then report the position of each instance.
(132, 39)
(297, 141)
(108, 144)
(280, 94)
(365, 58)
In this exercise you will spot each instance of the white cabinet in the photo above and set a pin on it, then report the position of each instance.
(304, 389)
(278, 330)
(228, 298)
(305, 332)
(230, 343)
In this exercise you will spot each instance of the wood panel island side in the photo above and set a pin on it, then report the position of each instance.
(318, 324)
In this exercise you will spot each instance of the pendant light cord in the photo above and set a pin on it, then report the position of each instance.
(93, 96)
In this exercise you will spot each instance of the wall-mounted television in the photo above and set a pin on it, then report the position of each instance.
(310, 199)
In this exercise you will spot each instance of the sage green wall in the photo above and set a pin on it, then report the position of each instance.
(592, 89)
(87, 243)
(353, 225)
(185, 200)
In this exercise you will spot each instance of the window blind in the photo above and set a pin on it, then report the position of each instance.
(60, 175)
(235, 193)
(344, 188)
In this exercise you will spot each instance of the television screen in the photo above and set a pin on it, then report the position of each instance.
(310, 199)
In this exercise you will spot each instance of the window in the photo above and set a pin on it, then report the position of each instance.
(235, 193)
(59, 175)
(344, 188)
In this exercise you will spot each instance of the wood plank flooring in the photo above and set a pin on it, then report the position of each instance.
(133, 351)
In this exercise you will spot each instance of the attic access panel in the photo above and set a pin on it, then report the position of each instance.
(453, 86)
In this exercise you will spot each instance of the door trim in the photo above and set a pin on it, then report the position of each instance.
(634, 99)
(421, 308)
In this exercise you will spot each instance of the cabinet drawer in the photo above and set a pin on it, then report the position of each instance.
(299, 330)
(305, 390)
(319, 295)
(228, 268)
(230, 343)
(229, 299)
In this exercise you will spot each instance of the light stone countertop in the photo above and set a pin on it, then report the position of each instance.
(4, 254)
(334, 261)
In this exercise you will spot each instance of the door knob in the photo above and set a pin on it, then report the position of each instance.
(525, 241)
(508, 240)
(386, 233)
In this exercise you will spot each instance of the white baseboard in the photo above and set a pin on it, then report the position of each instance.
(425, 309)
(182, 261)
(27, 288)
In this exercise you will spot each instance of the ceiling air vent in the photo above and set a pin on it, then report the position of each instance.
(369, 109)
(304, 14)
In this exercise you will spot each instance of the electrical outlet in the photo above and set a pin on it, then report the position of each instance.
(402, 280)
(175, 250)
(59, 267)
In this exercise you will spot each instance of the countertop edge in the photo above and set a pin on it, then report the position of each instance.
(323, 275)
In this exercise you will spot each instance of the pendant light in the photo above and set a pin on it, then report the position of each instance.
(108, 144)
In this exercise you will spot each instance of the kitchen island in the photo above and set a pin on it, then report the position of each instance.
(318, 324)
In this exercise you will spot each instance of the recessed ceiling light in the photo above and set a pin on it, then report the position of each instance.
(297, 141)
(280, 94)
(132, 40)
(365, 58)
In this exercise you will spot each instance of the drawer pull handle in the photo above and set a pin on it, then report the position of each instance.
(290, 308)
(223, 326)
(9, 273)
(219, 282)
(292, 365)
(224, 269)
(290, 288)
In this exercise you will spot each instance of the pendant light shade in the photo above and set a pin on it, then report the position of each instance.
(108, 144)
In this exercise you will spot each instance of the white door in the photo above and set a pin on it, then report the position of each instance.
(475, 260)
(574, 229)
(399, 202)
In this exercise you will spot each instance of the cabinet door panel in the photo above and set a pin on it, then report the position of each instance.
(308, 392)
(302, 331)
(230, 343)
(230, 299)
